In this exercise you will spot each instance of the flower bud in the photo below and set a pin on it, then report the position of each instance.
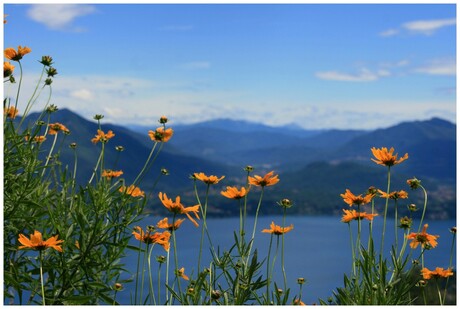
(453, 230)
(51, 72)
(119, 148)
(286, 203)
(47, 61)
(300, 280)
(412, 207)
(249, 168)
(163, 120)
(73, 145)
(215, 294)
(164, 172)
(118, 286)
(413, 183)
(98, 117)
(161, 259)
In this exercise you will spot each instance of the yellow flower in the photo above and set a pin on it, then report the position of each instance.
(11, 54)
(278, 230)
(153, 238)
(267, 180)
(354, 215)
(8, 69)
(10, 112)
(54, 128)
(385, 157)
(177, 208)
(37, 243)
(161, 135)
(102, 137)
(132, 190)
(352, 199)
(423, 238)
(210, 180)
(164, 224)
(437, 273)
(234, 193)
(111, 174)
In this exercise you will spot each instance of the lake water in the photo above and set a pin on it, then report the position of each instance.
(318, 249)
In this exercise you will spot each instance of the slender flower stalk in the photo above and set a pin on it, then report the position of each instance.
(454, 233)
(41, 277)
(49, 154)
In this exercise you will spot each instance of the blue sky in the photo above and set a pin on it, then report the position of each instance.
(361, 66)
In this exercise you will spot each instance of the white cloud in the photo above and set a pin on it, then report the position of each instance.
(364, 75)
(59, 16)
(147, 100)
(428, 27)
(83, 94)
(425, 27)
(439, 67)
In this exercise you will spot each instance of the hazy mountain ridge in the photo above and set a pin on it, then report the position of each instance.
(314, 167)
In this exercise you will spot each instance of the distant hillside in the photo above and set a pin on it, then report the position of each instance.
(315, 167)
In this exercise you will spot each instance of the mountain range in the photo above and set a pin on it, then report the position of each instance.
(314, 166)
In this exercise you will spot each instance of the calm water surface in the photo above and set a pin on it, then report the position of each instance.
(318, 249)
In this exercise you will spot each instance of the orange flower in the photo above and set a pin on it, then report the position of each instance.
(153, 238)
(177, 208)
(394, 195)
(54, 128)
(278, 230)
(164, 224)
(161, 135)
(37, 139)
(234, 193)
(111, 174)
(298, 302)
(102, 137)
(437, 273)
(354, 215)
(210, 180)
(10, 112)
(12, 54)
(423, 238)
(386, 158)
(37, 243)
(267, 180)
(352, 199)
(8, 69)
(181, 273)
(132, 190)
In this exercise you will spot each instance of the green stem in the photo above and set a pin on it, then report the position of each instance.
(255, 223)
(282, 250)
(450, 266)
(49, 154)
(97, 164)
(145, 164)
(41, 277)
(176, 258)
(137, 271)
(159, 286)
(268, 269)
(424, 208)
(352, 250)
(152, 293)
(385, 213)
(203, 226)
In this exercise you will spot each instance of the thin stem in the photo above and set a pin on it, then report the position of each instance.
(424, 208)
(385, 213)
(282, 250)
(137, 271)
(396, 225)
(49, 154)
(352, 249)
(439, 292)
(255, 223)
(268, 268)
(159, 286)
(450, 265)
(41, 277)
(146, 163)
(203, 226)
(97, 164)
(152, 293)
(176, 258)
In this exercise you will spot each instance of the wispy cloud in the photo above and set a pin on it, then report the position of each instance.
(439, 67)
(428, 27)
(59, 16)
(424, 27)
(364, 75)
